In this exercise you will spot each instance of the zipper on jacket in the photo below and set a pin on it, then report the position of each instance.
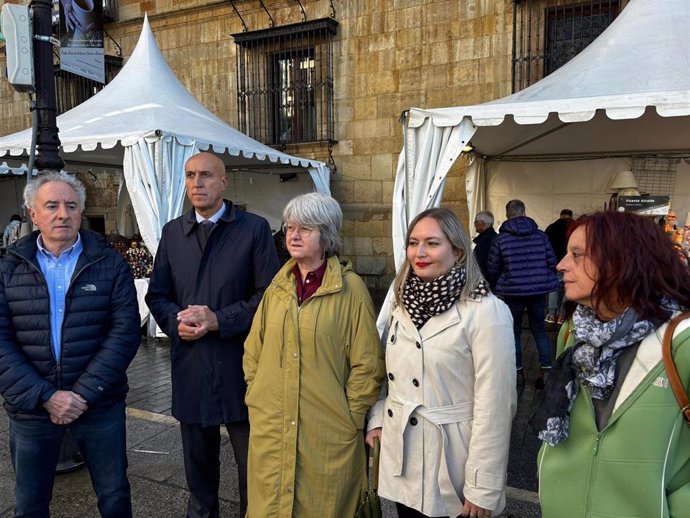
(594, 463)
(595, 450)
(62, 324)
(58, 361)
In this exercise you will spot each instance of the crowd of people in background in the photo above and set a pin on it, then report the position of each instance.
(273, 337)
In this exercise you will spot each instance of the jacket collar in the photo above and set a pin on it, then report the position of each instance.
(434, 325)
(189, 219)
(488, 233)
(93, 244)
(332, 279)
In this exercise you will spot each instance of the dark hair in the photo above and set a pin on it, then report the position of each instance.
(567, 212)
(15, 217)
(637, 265)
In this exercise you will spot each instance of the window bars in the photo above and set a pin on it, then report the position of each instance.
(549, 33)
(71, 89)
(285, 82)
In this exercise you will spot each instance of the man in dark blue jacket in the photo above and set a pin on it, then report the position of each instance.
(212, 267)
(522, 270)
(69, 327)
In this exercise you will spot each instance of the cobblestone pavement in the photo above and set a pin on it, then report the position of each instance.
(155, 451)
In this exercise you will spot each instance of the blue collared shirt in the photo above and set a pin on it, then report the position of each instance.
(58, 273)
(214, 218)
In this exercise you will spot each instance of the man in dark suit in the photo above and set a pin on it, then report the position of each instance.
(212, 267)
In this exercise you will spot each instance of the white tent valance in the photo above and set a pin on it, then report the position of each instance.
(146, 121)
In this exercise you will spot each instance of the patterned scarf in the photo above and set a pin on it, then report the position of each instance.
(592, 362)
(424, 300)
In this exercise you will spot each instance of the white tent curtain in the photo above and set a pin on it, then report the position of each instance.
(321, 178)
(154, 174)
(475, 186)
(428, 154)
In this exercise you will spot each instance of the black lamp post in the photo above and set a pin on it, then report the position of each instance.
(47, 140)
(47, 146)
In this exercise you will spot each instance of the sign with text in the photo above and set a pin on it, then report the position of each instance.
(81, 38)
(645, 205)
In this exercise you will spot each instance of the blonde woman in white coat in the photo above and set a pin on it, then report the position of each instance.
(444, 424)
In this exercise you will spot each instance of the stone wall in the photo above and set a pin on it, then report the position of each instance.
(390, 56)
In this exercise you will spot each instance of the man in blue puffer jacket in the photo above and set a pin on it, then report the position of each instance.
(522, 270)
(69, 327)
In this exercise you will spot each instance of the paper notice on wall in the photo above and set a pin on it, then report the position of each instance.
(81, 38)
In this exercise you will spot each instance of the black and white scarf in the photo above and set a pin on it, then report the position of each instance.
(424, 300)
(591, 361)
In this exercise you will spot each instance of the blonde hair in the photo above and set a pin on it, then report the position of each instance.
(455, 231)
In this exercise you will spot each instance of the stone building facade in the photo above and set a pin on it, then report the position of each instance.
(388, 56)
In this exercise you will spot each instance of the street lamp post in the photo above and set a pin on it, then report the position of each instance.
(47, 140)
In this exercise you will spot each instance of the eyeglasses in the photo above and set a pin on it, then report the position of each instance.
(304, 232)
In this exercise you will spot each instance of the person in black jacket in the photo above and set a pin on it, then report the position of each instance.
(212, 267)
(69, 328)
(557, 233)
(484, 225)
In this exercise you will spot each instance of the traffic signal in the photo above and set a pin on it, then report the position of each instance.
(15, 23)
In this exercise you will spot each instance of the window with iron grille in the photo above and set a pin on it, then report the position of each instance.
(549, 33)
(285, 83)
(71, 89)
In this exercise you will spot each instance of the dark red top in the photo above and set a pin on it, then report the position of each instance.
(311, 283)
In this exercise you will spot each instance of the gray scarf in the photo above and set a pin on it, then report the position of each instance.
(592, 362)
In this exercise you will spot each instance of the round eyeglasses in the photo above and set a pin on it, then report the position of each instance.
(304, 232)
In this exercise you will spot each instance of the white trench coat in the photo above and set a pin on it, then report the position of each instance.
(451, 399)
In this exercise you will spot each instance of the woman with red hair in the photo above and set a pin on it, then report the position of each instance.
(616, 444)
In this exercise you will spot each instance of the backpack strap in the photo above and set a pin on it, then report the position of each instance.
(670, 366)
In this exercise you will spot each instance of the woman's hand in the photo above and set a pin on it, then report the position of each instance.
(375, 432)
(473, 511)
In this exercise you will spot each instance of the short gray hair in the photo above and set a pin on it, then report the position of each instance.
(317, 210)
(515, 208)
(485, 217)
(45, 177)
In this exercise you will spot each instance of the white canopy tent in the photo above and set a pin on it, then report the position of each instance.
(146, 122)
(626, 95)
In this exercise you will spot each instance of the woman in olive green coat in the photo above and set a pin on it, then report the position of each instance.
(313, 365)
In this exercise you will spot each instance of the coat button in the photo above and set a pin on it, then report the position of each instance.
(419, 346)
(390, 413)
(392, 339)
(413, 421)
(390, 376)
(415, 382)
